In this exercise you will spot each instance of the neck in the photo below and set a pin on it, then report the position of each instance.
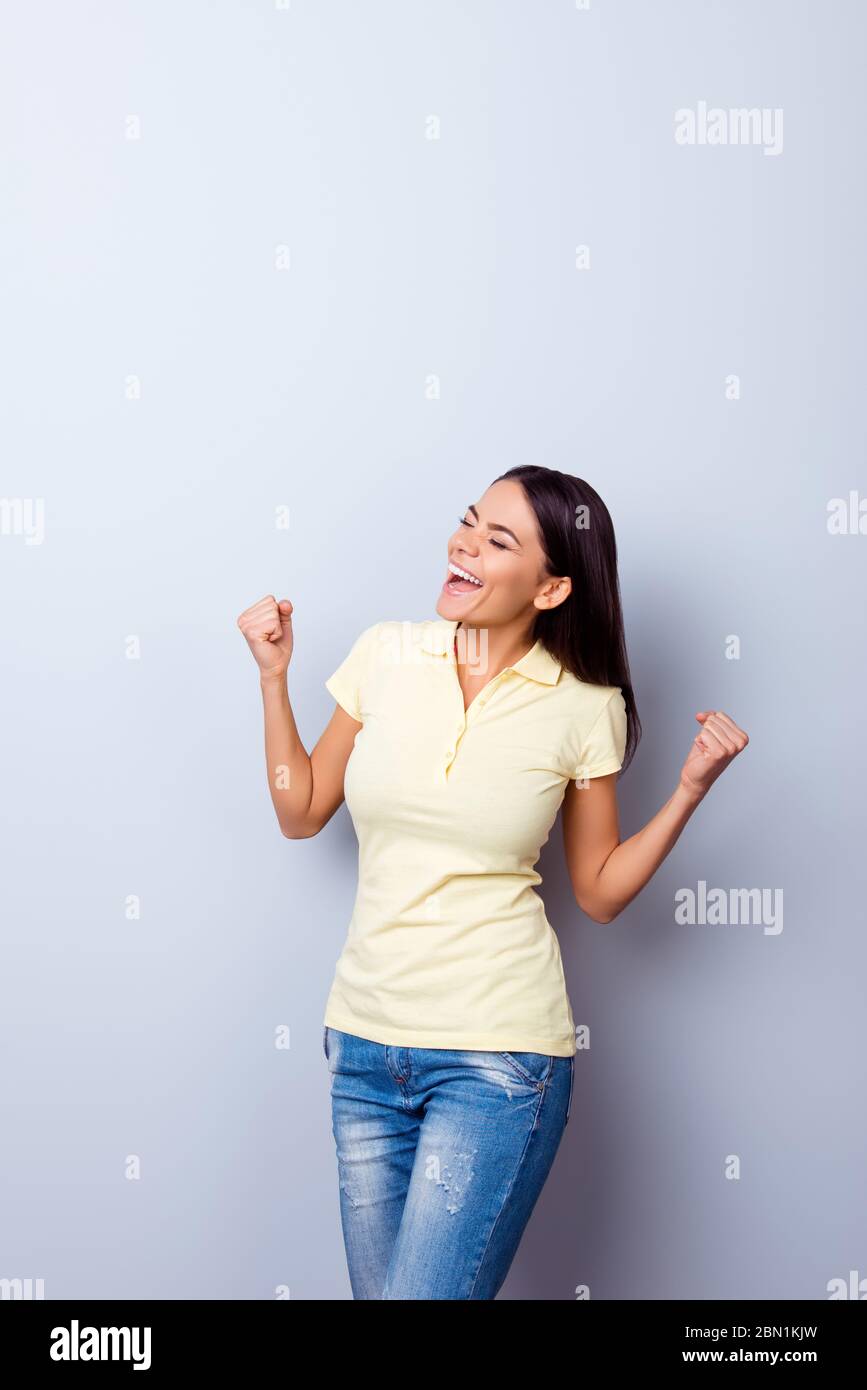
(490, 650)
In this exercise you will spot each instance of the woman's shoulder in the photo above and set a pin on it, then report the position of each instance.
(596, 738)
(587, 693)
(588, 701)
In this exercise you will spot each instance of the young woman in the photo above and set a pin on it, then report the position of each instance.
(448, 1031)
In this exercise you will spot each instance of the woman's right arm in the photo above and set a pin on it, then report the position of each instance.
(305, 789)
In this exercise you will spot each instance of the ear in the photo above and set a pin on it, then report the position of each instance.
(555, 592)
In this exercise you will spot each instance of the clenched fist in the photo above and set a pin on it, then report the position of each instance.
(267, 626)
(712, 750)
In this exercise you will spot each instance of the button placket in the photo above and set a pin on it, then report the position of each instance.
(451, 753)
(468, 715)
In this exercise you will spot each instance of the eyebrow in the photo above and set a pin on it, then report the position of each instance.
(493, 525)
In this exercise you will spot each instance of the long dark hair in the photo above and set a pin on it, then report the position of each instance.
(585, 632)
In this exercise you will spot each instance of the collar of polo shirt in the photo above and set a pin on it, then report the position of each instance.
(537, 663)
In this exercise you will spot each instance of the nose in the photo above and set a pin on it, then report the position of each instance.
(462, 548)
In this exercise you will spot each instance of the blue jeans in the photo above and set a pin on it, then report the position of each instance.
(440, 1157)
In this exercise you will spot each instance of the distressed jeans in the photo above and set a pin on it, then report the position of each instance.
(441, 1156)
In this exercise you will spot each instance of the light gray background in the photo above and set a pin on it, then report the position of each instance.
(306, 388)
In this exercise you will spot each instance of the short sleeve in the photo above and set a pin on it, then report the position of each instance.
(346, 684)
(603, 748)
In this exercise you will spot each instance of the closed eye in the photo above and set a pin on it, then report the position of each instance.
(471, 527)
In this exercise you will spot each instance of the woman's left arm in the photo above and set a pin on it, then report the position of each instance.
(607, 874)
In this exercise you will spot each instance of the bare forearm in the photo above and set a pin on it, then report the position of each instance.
(634, 862)
(290, 776)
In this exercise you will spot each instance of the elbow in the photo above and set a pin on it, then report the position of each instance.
(599, 913)
(299, 832)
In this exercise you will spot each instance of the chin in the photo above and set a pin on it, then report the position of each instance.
(448, 607)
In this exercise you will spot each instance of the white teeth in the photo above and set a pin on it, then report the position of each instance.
(462, 574)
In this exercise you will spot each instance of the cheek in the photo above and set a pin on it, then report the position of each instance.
(514, 582)
(508, 594)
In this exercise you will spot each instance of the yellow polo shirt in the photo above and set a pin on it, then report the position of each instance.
(449, 945)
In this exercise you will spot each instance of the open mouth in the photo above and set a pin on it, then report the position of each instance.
(461, 581)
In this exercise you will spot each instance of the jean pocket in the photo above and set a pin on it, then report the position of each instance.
(533, 1067)
(325, 1041)
(571, 1087)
